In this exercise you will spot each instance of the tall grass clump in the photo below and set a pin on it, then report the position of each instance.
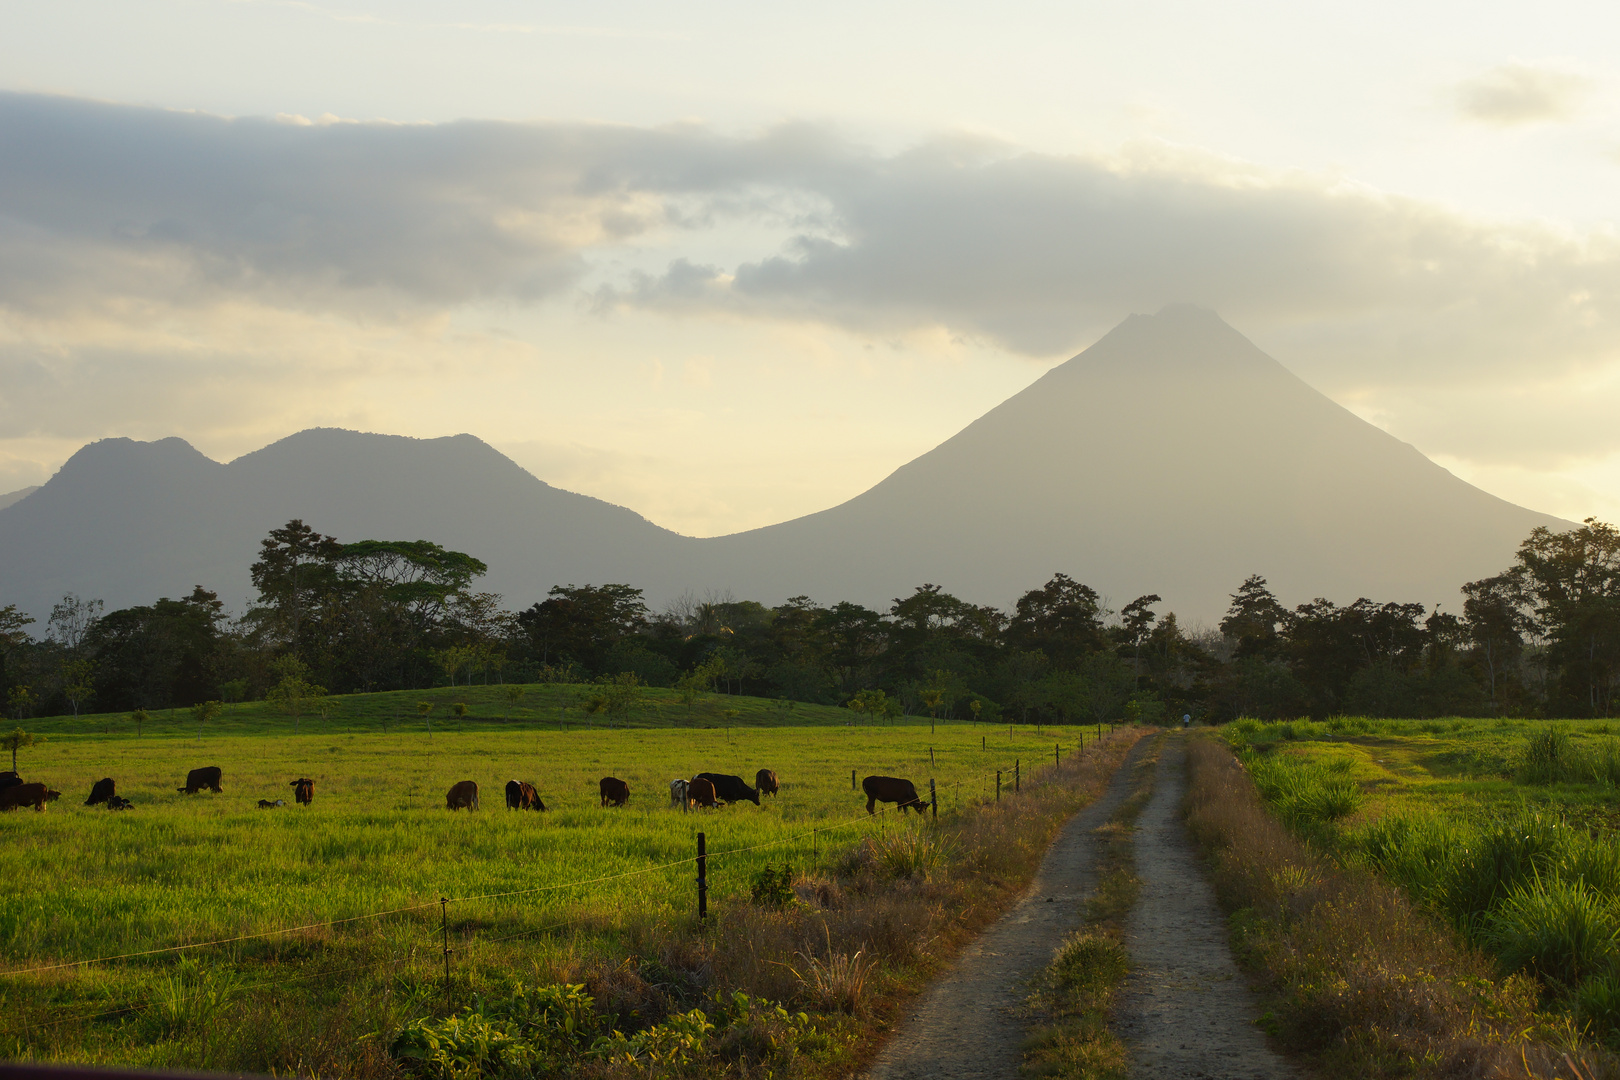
(1357, 977)
(1563, 931)
(1304, 792)
(1548, 758)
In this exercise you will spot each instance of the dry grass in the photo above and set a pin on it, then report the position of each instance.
(1074, 997)
(1358, 979)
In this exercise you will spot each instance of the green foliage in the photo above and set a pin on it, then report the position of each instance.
(1562, 931)
(16, 740)
(772, 887)
(294, 694)
(1303, 791)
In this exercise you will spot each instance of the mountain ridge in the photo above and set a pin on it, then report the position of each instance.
(1172, 456)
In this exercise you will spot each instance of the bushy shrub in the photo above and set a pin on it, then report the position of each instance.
(773, 887)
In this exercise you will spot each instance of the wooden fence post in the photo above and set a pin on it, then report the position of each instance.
(703, 877)
(1057, 756)
(998, 785)
(933, 799)
(930, 757)
(1018, 768)
(852, 779)
(444, 929)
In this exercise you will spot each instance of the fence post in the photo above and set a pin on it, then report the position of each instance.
(1018, 769)
(933, 799)
(1057, 756)
(444, 929)
(852, 779)
(998, 785)
(703, 877)
(930, 757)
(981, 742)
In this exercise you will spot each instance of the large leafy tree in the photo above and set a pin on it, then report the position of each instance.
(582, 622)
(1572, 580)
(295, 570)
(1063, 619)
(1255, 619)
(1495, 623)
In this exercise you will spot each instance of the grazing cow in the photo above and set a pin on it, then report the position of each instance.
(701, 792)
(101, 792)
(891, 789)
(678, 794)
(615, 792)
(197, 779)
(765, 780)
(303, 790)
(462, 796)
(118, 802)
(34, 795)
(520, 795)
(266, 804)
(9, 779)
(731, 788)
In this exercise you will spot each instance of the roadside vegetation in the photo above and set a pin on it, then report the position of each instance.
(1074, 997)
(1423, 897)
(557, 962)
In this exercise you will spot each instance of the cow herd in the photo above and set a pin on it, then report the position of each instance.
(705, 790)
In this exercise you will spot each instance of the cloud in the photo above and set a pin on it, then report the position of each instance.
(1516, 94)
(118, 216)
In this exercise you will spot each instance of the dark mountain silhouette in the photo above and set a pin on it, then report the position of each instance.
(1172, 456)
(16, 496)
(129, 521)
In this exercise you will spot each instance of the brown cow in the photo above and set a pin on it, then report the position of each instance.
(615, 792)
(701, 792)
(35, 795)
(520, 795)
(765, 781)
(892, 789)
(462, 796)
(303, 790)
(101, 791)
(197, 779)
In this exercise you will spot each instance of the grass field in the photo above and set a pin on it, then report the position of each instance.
(1505, 829)
(82, 883)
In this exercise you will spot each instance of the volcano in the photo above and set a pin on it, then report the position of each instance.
(1171, 457)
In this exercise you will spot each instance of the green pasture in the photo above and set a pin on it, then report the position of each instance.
(80, 883)
(1505, 829)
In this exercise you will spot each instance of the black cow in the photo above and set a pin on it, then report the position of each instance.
(731, 788)
(101, 792)
(520, 795)
(197, 779)
(118, 802)
(303, 790)
(615, 792)
(891, 789)
(765, 780)
(9, 779)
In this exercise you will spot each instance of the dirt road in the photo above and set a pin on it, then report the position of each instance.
(1185, 1011)
(970, 1023)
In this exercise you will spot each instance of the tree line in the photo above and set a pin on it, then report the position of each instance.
(1540, 638)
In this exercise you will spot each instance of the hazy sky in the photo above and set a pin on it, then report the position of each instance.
(727, 264)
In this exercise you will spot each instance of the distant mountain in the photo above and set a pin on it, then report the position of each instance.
(16, 496)
(1171, 457)
(130, 521)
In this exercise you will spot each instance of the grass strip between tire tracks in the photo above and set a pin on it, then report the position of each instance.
(1074, 996)
(1356, 979)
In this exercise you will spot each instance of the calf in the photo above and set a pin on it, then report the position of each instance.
(701, 792)
(100, 792)
(678, 794)
(765, 781)
(731, 788)
(266, 804)
(197, 779)
(891, 789)
(118, 802)
(462, 796)
(303, 790)
(35, 795)
(615, 792)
